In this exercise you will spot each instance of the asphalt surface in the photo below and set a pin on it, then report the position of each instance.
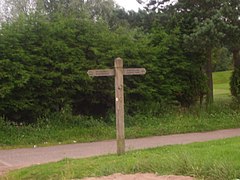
(18, 158)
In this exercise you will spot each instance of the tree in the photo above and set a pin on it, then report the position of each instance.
(100, 9)
(53, 55)
(50, 57)
(12, 9)
(231, 28)
(156, 5)
(231, 18)
(200, 21)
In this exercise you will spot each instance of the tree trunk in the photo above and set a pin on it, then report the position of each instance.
(236, 58)
(209, 77)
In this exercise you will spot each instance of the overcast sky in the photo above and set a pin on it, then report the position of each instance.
(126, 4)
(129, 4)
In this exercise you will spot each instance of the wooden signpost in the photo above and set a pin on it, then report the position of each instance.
(118, 72)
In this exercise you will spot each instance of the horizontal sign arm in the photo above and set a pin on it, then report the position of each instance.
(111, 72)
(134, 71)
(101, 72)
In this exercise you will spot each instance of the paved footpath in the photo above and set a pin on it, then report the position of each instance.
(18, 158)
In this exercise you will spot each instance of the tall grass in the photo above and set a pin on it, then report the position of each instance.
(65, 128)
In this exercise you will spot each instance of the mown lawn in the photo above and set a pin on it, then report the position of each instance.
(216, 160)
(221, 88)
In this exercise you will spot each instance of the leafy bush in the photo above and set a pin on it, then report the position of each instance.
(193, 88)
(44, 67)
(2, 121)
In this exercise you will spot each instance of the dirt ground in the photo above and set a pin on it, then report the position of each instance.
(140, 176)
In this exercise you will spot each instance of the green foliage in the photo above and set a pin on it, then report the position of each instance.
(45, 55)
(222, 60)
(231, 25)
(50, 74)
(183, 75)
(55, 56)
(12, 76)
(194, 87)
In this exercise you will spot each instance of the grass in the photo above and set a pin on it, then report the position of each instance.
(222, 77)
(221, 85)
(75, 130)
(209, 160)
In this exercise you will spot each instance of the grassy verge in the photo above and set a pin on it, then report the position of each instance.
(210, 160)
(64, 128)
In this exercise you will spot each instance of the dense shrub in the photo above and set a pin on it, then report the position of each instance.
(44, 65)
(194, 88)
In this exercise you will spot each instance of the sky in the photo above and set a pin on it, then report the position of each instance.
(126, 4)
(129, 4)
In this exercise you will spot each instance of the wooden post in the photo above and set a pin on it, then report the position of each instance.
(119, 101)
(118, 72)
